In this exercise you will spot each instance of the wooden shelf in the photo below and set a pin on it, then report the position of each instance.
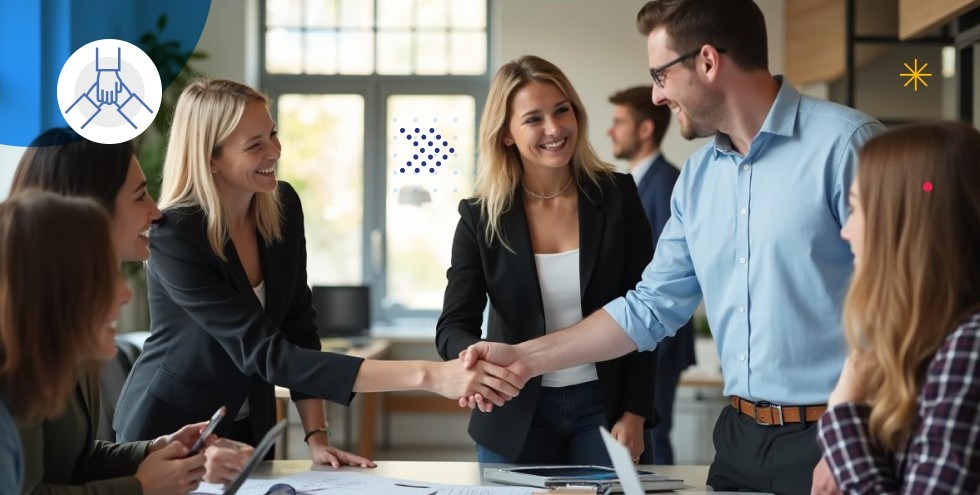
(919, 17)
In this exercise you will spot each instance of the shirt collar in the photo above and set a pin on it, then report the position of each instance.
(780, 121)
(640, 170)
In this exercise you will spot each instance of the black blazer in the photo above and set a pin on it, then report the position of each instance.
(615, 246)
(657, 184)
(211, 342)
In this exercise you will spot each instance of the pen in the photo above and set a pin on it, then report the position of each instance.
(406, 485)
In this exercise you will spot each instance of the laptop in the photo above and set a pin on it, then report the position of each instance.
(621, 478)
(267, 442)
(622, 461)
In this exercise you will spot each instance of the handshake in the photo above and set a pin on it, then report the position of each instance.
(486, 374)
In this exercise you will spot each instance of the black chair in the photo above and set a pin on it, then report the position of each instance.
(114, 375)
(342, 311)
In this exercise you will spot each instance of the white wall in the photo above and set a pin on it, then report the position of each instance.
(230, 38)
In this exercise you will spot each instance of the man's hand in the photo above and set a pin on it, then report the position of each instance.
(495, 384)
(499, 354)
(629, 432)
(823, 480)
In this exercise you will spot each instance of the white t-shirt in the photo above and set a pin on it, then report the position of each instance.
(558, 276)
(260, 295)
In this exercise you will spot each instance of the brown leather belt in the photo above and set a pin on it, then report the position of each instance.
(765, 413)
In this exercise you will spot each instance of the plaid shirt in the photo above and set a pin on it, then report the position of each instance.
(943, 452)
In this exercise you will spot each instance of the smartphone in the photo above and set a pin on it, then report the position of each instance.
(208, 430)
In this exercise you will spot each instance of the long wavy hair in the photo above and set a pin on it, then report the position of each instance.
(54, 296)
(917, 276)
(207, 112)
(499, 167)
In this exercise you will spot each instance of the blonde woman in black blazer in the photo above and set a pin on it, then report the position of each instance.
(543, 197)
(230, 309)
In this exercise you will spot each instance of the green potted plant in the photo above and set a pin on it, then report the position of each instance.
(169, 57)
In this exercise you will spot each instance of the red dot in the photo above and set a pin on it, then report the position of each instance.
(927, 186)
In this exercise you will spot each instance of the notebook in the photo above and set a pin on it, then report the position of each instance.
(621, 478)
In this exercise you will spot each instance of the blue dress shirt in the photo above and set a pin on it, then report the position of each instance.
(758, 237)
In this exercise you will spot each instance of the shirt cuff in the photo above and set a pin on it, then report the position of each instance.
(620, 311)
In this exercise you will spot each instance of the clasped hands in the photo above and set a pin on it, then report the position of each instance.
(498, 372)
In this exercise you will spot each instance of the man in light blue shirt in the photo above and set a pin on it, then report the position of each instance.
(754, 231)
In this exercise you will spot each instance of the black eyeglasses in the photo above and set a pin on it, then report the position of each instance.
(658, 73)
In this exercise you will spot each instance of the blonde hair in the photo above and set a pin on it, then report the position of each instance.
(917, 275)
(207, 112)
(499, 170)
(55, 296)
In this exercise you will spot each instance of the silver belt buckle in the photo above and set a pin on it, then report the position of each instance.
(769, 406)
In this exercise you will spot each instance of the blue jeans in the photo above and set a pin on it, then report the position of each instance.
(564, 430)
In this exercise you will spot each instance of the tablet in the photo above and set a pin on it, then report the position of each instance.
(267, 442)
(622, 478)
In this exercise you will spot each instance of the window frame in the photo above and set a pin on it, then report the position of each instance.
(375, 90)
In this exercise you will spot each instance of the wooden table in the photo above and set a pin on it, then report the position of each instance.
(460, 473)
(701, 378)
(375, 349)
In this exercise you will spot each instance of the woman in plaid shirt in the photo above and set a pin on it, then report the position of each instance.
(905, 415)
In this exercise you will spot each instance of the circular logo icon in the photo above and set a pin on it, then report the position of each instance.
(109, 91)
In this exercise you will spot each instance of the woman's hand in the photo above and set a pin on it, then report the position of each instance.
(850, 387)
(323, 453)
(186, 436)
(225, 459)
(495, 384)
(167, 471)
(629, 432)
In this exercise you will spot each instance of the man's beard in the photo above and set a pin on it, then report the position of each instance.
(707, 106)
(628, 151)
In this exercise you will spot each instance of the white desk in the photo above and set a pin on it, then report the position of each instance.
(456, 473)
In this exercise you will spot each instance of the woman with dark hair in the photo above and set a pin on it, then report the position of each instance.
(62, 162)
(58, 306)
(61, 453)
(905, 415)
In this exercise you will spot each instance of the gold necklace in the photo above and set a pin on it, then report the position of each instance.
(539, 196)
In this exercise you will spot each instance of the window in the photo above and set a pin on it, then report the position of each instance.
(392, 37)
(377, 103)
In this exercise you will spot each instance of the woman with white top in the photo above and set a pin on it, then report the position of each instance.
(551, 235)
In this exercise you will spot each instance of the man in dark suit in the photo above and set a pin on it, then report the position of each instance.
(636, 132)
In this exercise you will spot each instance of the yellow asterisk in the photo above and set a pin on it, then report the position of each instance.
(916, 75)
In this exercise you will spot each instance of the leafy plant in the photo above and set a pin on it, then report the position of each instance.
(174, 64)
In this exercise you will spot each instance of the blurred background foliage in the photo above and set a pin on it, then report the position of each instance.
(173, 61)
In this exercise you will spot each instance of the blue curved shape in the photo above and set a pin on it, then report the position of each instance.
(36, 38)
